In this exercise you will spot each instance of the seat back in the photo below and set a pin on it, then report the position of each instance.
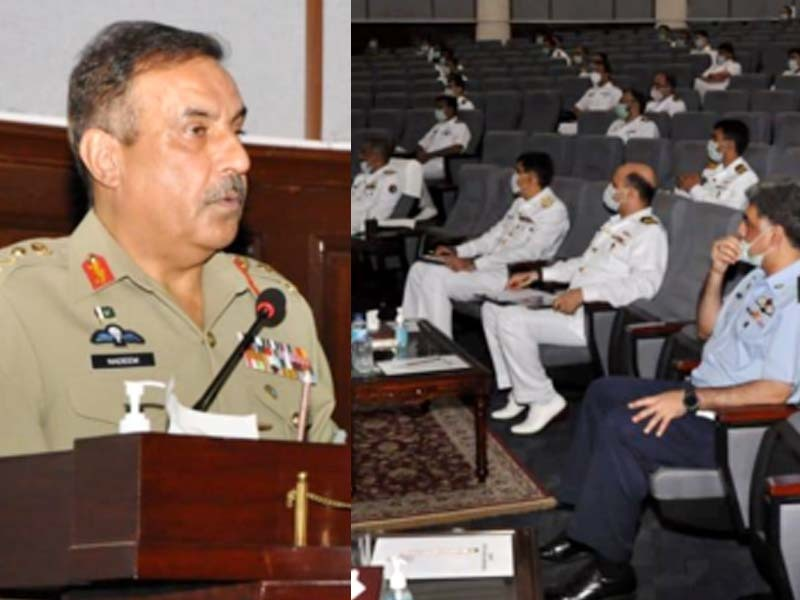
(757, 156)
(390, 119)
(653, 152)
(503, 109)
(692, 125)
(783, 162)
(595, 122)
(774, 101)
(596, 157)
(465, 219)
(418, 123)
(663, 121)
(787, 129)
(758, 123)
(540, 110)
(722, 101)
(586, 214)
(690, 97)
(475, 122)
(559, 147)
(502, 147)
(749, 81)
(689, 156)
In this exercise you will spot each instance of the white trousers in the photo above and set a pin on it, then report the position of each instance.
(706, 86)
(430, 289)
(433, 169)
(513, 334)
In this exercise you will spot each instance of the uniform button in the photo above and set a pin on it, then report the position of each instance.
(211, 339)
(264, 426)
(271, 390)
(18, 251)
(295, 420)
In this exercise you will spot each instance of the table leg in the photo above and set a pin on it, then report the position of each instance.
(481, 468)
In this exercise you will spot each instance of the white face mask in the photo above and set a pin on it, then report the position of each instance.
(365, 168)
(610, 198)
(793, 64)
(714, 153)
(440, 116)
(656, 94)
(577, 59)
(721, 59)
(595, 77)
(752, 259)
(699, 43)
(514, 184)
(449, 92)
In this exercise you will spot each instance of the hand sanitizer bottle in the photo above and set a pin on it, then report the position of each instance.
(135, 421)
(400, 332)
(398, 586)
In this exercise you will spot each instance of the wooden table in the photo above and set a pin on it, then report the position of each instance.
(471, 384)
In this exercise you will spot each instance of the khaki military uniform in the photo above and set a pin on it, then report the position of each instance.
(79, 317)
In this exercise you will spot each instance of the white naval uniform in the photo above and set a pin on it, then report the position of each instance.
(724, 185)
(671, 105)
(625, 261)
(640, 127)
(706, 50)
(731, 66)
(598, 97)
(443, 135)
(532, 229)
(561, 54)
(464, 103)
(373, 196)
(790, 73)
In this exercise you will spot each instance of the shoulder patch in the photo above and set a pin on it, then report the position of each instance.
(547, 202)
(741, 169)
(648, 220)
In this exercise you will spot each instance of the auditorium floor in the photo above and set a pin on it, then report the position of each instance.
(669, 564)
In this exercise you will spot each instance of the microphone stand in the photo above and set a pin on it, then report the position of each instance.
(208, 397)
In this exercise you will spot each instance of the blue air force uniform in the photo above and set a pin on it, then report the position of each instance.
(756, 337)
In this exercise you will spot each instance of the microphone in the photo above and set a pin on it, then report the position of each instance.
(270, 312)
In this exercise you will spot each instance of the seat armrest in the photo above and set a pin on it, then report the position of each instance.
(754, 414)
(784, 487)
(595, 307)
(655, 329)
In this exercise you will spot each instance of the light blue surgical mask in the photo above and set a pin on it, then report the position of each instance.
(439, 115)
(622, 111)
(610, 198)
(746, 256)
(714, 152)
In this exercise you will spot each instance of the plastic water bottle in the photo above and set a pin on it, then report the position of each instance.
(400, 333)
(360, 346)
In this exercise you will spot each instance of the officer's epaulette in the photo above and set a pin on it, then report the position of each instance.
(648, 220)
(260, 270)
(547, 202)
(24, 253)
(712, 165)
(740, 169)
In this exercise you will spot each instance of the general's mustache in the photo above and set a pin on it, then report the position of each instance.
(233, 183)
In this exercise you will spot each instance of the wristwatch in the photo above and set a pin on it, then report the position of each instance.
(690, 400)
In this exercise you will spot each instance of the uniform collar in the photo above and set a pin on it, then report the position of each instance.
(91, 238)
(645, 212)
(533, 199)
(785, 279)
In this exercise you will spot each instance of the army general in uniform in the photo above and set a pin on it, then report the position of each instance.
(141, 289)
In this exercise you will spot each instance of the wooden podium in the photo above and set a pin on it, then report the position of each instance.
(176, 517)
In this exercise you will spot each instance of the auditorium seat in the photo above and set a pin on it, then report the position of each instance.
(418, 123)
(362, 101)
(533, 83)
(391, 100)
(358, 118)
(596, 157)
(423, 100)
(663, 121)
(390, 119)
(654, 152)
(774, 101)
(540, 109)
(475, 121)
(689, 156)
(389, 86)
(502, 147)
(559, 147)
(757, 156)
(595, 122)
(749, 81)
(698, 63)
(572, 88)
(722, 101)
(503, 109)
(787, 129)
(693, 125)
(783, 162)
(682, 72)
(788, 83)
(690, 98)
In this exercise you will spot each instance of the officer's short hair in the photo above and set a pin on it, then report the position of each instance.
(459, 81)
(727, 47)
(380, 143)
(733, 129)
(669, 77)
(638, 97)
(779, 201)
(643, 188)
(702, 32)
(603, 58)
(449, 101)
(99, 83)
(539, 163)
(794, 51)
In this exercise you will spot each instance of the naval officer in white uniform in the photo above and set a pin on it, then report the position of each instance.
(625, 261)
(450, 136)
(376, 190)
(631, 123)
(727, 178)
(532, 229)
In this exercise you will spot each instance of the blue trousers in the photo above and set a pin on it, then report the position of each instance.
(610, 460)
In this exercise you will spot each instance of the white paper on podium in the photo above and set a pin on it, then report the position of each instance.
(449, 556)
(356, 587)
(186, 421)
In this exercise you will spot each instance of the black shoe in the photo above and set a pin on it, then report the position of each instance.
(591, 583)
(562, 549)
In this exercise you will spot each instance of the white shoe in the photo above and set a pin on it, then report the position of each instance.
(539, 416)
(510, 411)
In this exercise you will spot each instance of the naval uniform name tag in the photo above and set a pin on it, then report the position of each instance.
(122, 361)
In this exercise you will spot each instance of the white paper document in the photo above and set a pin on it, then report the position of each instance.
(407, 223)
(422, 364)
(186, 421)
(456, 556)
(356, 587)
(529, 298)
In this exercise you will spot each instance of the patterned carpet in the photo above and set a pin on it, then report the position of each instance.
(416, 469)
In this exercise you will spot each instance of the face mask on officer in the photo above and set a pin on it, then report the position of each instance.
(440, 115)
(514, 184)
(747, 256)
(656, 94)
(622, 111)
(714, 152)
(610, 198)
(365, 168)
(793, 64)
(699, 43)
(577, 59)
(594, 76)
